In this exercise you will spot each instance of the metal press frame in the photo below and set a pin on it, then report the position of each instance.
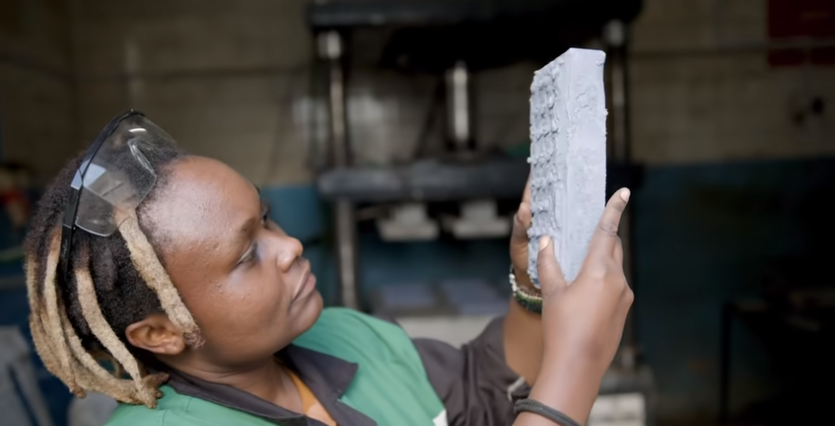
(331, 48)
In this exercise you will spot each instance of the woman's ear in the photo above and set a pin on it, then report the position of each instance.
(156, 334)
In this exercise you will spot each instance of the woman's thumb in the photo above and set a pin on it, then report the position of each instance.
(551, 279)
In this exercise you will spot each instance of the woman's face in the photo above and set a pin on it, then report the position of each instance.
(244, 280)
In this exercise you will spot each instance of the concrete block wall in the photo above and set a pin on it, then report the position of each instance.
(222, 77)
(702, 90)
(37, 126)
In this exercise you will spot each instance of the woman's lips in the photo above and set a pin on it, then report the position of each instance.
(306, 286)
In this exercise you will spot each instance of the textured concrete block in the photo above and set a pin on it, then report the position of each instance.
(568, 156)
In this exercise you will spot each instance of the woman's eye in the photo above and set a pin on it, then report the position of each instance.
(252, 255)
(265, 217)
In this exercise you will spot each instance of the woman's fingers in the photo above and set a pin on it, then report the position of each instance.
(551, 278)
(605, 237)
(618, 252)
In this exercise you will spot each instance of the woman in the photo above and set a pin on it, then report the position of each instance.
(165, 268)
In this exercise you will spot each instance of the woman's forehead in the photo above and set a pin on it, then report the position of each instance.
(204, 200)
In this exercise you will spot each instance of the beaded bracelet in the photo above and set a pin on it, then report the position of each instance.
(529, 299)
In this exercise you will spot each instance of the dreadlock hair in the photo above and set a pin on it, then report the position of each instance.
(78, 322)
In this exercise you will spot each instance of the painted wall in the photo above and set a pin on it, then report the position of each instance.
(710, 234)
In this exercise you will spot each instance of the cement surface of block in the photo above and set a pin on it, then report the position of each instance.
(568, 156)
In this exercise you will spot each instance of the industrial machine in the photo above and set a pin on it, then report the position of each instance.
(452, 40)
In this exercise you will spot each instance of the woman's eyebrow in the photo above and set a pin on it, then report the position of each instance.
(247, 227)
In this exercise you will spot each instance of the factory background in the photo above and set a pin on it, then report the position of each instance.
(728, 112)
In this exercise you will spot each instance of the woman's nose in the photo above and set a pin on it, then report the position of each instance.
(289, 249)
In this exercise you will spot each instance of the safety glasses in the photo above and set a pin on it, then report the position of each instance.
(114, 177)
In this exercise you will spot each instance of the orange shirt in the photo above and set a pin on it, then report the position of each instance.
(312, 407)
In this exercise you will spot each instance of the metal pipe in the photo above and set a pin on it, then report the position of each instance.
(330, 46)
(347, 254)
(339, 137)
(459, 121)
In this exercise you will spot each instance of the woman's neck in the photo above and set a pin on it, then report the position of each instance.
(269, 381)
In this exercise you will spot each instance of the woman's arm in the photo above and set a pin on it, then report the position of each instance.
(479, 382)
(582, 324)
(522, 331)
(572, 391)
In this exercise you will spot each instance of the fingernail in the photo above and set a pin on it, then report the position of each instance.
(543, 242)
(624, 194)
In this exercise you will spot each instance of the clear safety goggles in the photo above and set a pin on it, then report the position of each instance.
(114, 177)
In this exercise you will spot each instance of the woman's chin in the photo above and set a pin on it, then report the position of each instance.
(310, 311)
